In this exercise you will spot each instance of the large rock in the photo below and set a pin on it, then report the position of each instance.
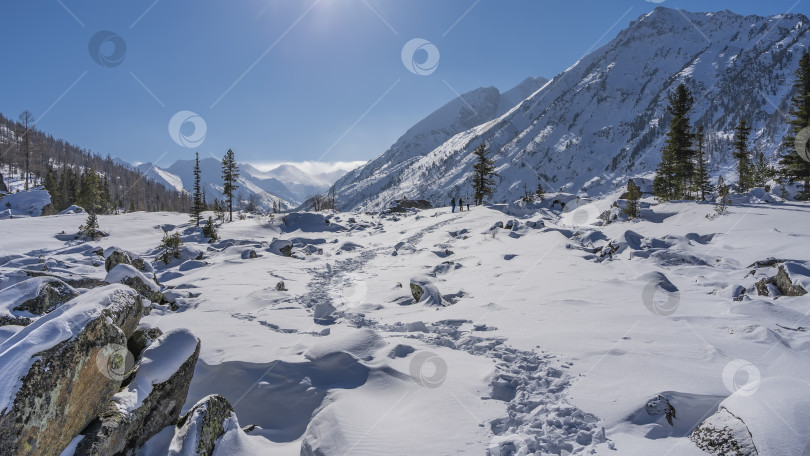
(115, 258)
(50, 293)
(58, 373)
(152, 401)
(3, 187)
(724, 434)
(198, 430)
(23, 302)
(128, 275)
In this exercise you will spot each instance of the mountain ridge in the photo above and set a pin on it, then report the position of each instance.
(604, 118)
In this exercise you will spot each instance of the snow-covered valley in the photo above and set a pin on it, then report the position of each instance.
(536, 334)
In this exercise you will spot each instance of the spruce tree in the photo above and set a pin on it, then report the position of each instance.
(197, 206)
(793, 166)
(230, 173)
(676, 168)
(744, 165)
(703, 184)
(633, 195)
(483, 173)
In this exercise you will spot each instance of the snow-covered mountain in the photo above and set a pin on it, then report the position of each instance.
(604, 117)
(286, 183)
(461, 114)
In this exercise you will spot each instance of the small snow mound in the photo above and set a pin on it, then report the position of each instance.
(361, 343)
(73, 209)
(424, 291)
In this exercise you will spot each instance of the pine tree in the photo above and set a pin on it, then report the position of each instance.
(744, 165)
(703, 184)
(762, 171)
(230, 173)
(540, 192)
(210, 231)
(793, 166)
(722, 189)
(197, 206)
(676, 168)
(633, 195)
(483, 173)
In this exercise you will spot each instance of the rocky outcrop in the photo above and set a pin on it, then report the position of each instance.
(50, 294)
(3, 187)
(782, 282)
(198, 430)
(724, 434)
(56, 370)
(151, 402)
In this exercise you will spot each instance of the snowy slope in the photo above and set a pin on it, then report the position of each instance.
(465, 112)
(542, 345)
(605, 117)
(161, 176)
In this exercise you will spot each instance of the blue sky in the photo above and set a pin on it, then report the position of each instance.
(284, 80)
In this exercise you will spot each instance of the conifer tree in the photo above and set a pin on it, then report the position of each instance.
(197, 205)
(230, 173)
(793, 166)
(703, 184)
(633, 195)
(744, 165)
(483, 173)
(676, 168)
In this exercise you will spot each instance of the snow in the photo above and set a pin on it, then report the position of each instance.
(543, 343)
(158, 363)
(24, 204)
(18, 352)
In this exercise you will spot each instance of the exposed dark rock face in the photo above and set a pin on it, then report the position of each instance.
(141, 339)
(67, 385)
(124, 426)
(199, 429)
(782, 282)
(115, 258)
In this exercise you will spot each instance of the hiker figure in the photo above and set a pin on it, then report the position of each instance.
(460, 205)
(453, 204)
(468, 202)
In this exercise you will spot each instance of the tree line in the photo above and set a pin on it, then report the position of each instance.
(682, 172)
(67, 171)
